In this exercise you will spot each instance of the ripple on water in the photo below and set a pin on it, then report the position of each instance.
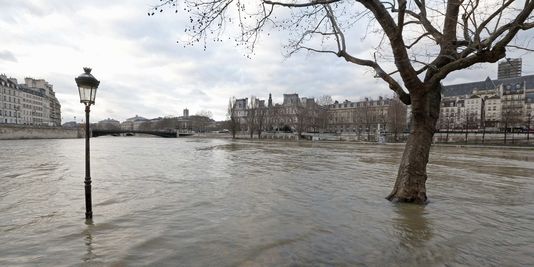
(205, 202)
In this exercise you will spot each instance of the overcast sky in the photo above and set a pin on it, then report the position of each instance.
(144, 72)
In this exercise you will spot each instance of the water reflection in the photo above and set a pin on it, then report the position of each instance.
(411, 225)
(88, 241)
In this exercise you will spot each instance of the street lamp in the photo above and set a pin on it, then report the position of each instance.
(87, 85)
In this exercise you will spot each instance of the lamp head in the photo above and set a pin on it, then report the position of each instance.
(87, 86)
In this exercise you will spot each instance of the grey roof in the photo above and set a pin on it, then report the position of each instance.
(32, 91)
(448, 103)
(9, 82)
(488, 84)
(137, 118)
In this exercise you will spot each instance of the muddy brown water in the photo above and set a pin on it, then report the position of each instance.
(210, 202)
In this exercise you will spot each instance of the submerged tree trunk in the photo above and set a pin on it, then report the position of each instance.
(411, 177)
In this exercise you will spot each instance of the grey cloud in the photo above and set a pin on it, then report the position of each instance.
(7, 56)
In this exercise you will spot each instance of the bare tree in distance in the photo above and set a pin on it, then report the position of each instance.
(323, 106)
(528, 120)
(251, 116)
(396, 117)
(367, 117)
(167, 123)
(303, 112)
(382, 115)
(261, 117)
(356, 117)
(146, 126)
(425, 41)
(510, 117)
(470, 122)
(205, 113)
(232, 119)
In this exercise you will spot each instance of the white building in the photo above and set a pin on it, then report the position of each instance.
(10, 101)
(501, 103)
(133, 123)
(32, 103)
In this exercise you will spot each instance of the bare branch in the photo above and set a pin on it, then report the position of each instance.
(418, 39)
(312, 3)
(521, 48)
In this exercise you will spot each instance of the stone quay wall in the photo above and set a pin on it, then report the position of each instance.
(9, 132)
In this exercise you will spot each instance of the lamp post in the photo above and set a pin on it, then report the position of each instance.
(87, 85)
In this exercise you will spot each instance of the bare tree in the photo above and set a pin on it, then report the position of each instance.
(528, 120)
(303, 117)
(251, 116)
(426, 40)
(367, 117)
(205, 113)
(146, 126)
(166, 123)
(510, 117)
(323, 106)
(382, 115)
(483, 118)
(278, 117)
(397, 117)
(232, 119)
(261, 116)
(470, 122)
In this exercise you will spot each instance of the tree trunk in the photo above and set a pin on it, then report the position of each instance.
(411, 177)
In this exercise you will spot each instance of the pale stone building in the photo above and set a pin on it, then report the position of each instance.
(133, 123)
(31, 103)
(108, 124)
(294, 114)
(10, 101)
(497, 104)
(367, 117)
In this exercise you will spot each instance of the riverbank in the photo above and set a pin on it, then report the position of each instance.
(14, 132)
(529, 146)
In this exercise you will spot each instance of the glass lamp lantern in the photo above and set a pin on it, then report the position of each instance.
(87, 85)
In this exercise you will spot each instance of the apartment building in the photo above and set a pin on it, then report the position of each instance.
(500, 104)
(31, 103)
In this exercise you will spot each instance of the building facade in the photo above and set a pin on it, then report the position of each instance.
(10, 101)
(509, 68)
(108, 124)
(133, 123)
(299, 115)
(501, 104)
(293, 114)
(31, 103)
(367, 117)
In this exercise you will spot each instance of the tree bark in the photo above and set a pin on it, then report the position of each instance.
(411, 177)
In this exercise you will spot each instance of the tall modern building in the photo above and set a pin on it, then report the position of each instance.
(509, 68)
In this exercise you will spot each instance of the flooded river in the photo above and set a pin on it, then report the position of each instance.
(208, 202)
